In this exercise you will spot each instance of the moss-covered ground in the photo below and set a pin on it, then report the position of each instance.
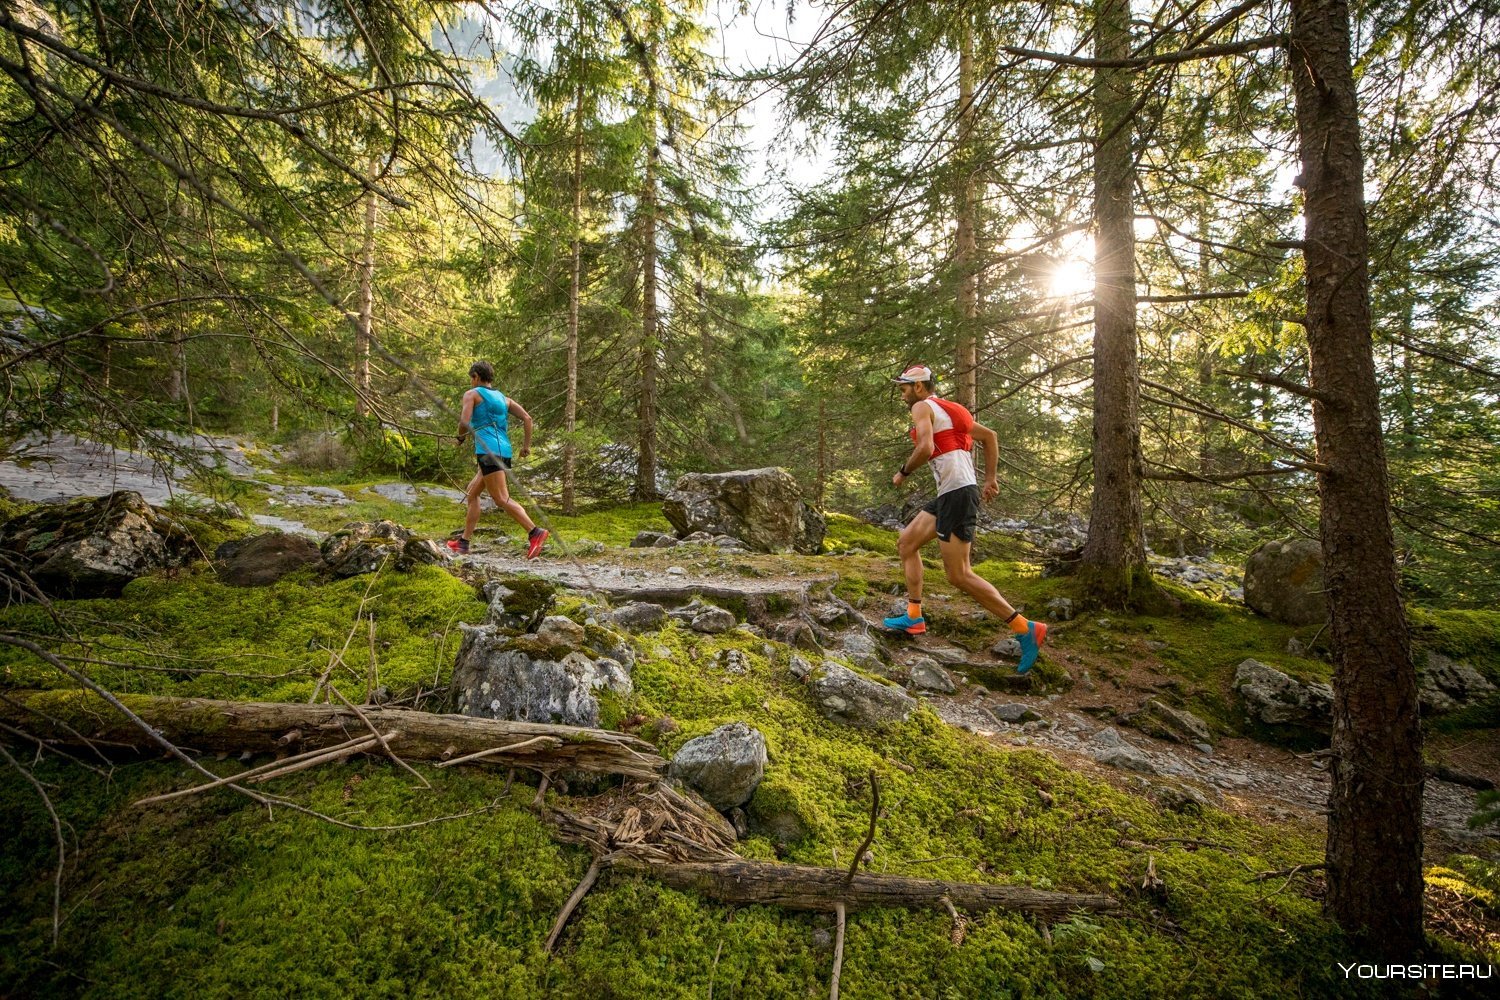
(210, 896)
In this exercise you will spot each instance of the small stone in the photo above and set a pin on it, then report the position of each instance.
(1015, 712)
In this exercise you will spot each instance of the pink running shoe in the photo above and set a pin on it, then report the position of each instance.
(535, 541)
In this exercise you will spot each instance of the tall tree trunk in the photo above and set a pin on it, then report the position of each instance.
(1375, 804)
(965, 259)
(364, 321)
(570, 404)
(645, 477)
(1114, 557)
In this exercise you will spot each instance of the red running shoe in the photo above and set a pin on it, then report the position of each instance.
(458, 546)
(535, 541)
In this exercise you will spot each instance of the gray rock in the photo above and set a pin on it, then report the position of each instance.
(797, 633)
(1284, 581)
(444, 493)
(732, 661)
(639, 616)
(1060, 609)
(864, 652)
(1008, 647)
(712, 621)
(725, 766)
(264, 559)
(650, 539)
(310, 496)
(520, 607)
(1295, 647)
(402, 493)
(842, 695)
(94, 546)
(1015, 712)
(557, 630)
(1108, 737)
(799, 667)
(1448, 684)
(1127, 758)
(763, 508)
(928, 676)
(496, 677)
(363, 547)
(1276, 699)
(1156, 718)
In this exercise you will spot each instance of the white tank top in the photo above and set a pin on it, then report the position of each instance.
(952, 469)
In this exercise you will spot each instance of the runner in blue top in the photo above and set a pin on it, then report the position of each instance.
(486, 415)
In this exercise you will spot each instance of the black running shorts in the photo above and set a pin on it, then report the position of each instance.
(491, 463)
(957, 513)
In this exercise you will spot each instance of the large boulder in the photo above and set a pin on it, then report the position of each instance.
(1284, 581)
(524, 679)
(363, 547)
(724, 766)
(94, 546)
(1277, 699)
(844, 696)
(1447, 684)
(761, 507)
(263, 559)
(1166, 722)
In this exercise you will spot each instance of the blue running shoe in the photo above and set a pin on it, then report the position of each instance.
(907, 624)
(1031, 645)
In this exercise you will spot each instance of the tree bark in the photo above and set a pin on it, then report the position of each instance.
(1374, 851)
(806, 887)
(965, 257)
(206, 725)
(645, 476)
(570, 405)
(365, 318)
(1113, 561)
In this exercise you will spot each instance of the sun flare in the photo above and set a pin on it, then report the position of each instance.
(1070, 278)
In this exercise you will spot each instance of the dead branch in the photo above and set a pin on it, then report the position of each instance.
(589, 878)
(808, 887)
(838, 950)
(254, 727)
(57, 833)
(870, 836)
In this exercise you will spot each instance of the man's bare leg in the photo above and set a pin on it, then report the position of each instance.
(961, 574)
(921, 530)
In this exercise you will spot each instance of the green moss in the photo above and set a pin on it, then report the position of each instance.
(1472, 636)
(255, 643)
(845, 532)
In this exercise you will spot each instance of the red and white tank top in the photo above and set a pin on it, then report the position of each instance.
(952, 445)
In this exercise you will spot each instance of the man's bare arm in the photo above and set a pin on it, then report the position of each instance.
(990, 441)
(921, 419)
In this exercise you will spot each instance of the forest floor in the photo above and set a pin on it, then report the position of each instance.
(214, 897)
(1090, 686)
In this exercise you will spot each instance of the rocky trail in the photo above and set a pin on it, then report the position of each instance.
(1079, 723)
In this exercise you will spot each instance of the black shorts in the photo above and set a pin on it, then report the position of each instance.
(957, 513)
(489, 464)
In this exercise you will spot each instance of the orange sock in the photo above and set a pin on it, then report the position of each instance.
(913, 609)
(1018, 624)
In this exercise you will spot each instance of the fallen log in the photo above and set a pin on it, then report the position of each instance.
(74, 718)
(807, 887)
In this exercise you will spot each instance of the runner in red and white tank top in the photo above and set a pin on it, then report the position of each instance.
(952, 444)
(943, 433)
